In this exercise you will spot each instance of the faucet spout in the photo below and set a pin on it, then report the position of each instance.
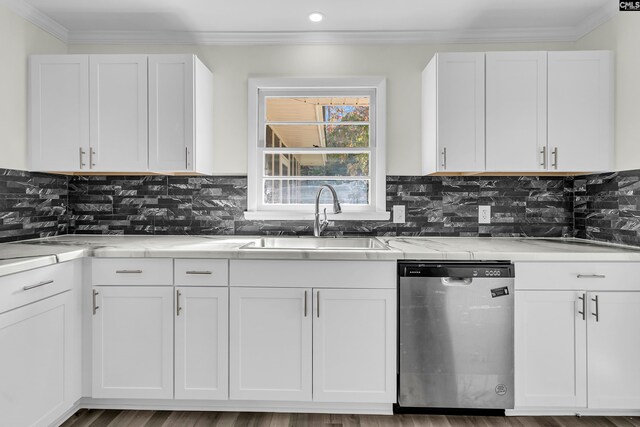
(320, 225)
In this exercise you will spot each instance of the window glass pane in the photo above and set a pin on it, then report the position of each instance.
(324, 136)
(326, 109)
(291, 191)
(317, 164)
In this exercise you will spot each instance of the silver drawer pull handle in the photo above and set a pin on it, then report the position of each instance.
(591, 276)
(128, 271)
(95, 302)
(37, 285)
(199, 272)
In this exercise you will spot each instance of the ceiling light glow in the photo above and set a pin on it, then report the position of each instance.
(316, 17)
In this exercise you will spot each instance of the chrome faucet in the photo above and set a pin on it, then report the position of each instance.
(318, 225)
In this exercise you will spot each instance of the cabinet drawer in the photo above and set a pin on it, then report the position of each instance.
(322, 274)
(588, 276)
(24, 288)
(201, 272)
(132, 271)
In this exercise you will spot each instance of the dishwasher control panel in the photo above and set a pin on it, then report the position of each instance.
(490, 270)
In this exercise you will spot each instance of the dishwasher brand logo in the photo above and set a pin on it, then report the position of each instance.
(629, 6)
(501, 389)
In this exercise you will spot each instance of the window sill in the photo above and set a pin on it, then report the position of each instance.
(302, 216)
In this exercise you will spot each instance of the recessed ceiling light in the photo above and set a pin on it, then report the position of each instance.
(316, 17)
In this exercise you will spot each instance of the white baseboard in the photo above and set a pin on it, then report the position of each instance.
(587, 412)
(239, 406)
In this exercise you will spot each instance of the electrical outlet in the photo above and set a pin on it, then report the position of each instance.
(484, 214)
(398, 214)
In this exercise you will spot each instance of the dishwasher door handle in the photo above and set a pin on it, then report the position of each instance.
(456, 281)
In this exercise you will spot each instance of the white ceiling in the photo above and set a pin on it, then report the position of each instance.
(256, 21)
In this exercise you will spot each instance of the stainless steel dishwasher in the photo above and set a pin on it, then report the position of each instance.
(455, 335)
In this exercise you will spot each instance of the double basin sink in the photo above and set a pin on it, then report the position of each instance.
(316, 243)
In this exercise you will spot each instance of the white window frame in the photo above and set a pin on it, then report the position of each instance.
(375, 87)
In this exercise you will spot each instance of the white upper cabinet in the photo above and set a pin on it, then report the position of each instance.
(544, 112)
(516, 111)
(180, 114)
(120, 113)
(580, 111)
(118, 87)
(453, 113)
(59, 112)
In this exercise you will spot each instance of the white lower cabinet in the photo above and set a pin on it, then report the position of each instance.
(613, 348)
(342, 340)
(270, 344)
(40, 350)
(201, 343)
(551, 352)
(133, 342)
(354, 338)
(577, 349)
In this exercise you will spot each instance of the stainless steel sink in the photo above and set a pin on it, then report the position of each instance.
(317, 243)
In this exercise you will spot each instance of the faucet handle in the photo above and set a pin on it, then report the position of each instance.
(325, 221)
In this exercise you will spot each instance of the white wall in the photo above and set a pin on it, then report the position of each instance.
(401, 64)
(19, 38)
(622, 34)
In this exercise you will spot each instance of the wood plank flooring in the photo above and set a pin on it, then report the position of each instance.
(112, 418)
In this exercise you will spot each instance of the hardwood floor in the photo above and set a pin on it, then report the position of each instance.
(108, 418)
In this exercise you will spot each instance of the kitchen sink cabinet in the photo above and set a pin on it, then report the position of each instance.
(201, 343)
(270, 344)
(354, 339)
(342, 341)
(120, 113)
(576, 344)
(132, 338)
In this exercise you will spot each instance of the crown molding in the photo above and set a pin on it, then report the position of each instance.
(246, 38)
(563, 34)
(599, 17)
(37, 18)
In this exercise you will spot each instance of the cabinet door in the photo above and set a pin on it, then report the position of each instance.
(580, 111)
(118, 119)
(354, 342)
(35, 362)
(516, 111)
(171, 112)
(202, 350)
(59, 112)
(133, 342)
(550, 349)
(613, 349)
(460, 110)
(270, 344)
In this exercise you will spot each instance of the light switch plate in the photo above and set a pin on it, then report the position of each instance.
(484, 214)
(398, 214)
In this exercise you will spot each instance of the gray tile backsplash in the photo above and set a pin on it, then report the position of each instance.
(603, 207)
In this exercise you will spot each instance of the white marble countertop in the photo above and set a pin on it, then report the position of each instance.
(25, 255)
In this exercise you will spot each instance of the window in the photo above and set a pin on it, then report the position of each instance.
(307, 132)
